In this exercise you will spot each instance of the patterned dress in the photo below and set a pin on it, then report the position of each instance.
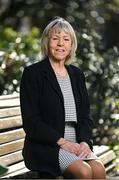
(65, 157)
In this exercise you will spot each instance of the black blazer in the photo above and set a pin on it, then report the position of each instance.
(42, 109)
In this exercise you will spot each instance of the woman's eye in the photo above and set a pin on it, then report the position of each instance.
(54, 38)
(66, 39)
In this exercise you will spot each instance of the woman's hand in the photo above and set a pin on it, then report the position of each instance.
(71, 147)
(82, 149)
(68, 145)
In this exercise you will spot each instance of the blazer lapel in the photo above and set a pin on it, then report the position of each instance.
(50, 75)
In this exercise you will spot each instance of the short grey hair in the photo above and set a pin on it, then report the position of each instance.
(60, 24)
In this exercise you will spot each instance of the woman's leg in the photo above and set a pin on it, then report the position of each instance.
(98, 170)
(78, 170)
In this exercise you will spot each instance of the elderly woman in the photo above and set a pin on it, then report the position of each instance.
(55, 110)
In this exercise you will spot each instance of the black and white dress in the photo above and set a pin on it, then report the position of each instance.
(65, 157)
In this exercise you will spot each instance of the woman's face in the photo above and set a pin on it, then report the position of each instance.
(59, 45)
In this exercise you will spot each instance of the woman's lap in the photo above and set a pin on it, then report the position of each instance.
(66, 158)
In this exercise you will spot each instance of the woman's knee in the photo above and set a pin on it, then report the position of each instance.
(79, 169)
(98, 169)
(86, 173)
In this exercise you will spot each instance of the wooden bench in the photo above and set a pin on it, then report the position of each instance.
(12, 139)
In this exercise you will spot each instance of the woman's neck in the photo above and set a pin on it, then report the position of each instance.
(59, 68)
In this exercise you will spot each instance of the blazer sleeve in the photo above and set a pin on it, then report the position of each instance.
(85, 120)
(34, 126)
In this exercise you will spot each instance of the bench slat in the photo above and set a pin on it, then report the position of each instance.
(15, 167)
(11, 158)
(107, 157)
(98, 150)
(9, 96)
(110, 167)
(11, 147)
(7, 112)
(9, 103)
(10, 122)
(12, 135)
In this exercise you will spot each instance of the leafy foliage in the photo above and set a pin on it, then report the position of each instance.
(17, 50)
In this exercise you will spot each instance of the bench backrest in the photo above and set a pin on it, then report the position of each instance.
(11, 132)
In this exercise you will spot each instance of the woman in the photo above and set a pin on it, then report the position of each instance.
(55, 110)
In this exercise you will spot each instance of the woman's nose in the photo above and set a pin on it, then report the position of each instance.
(60, 42)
